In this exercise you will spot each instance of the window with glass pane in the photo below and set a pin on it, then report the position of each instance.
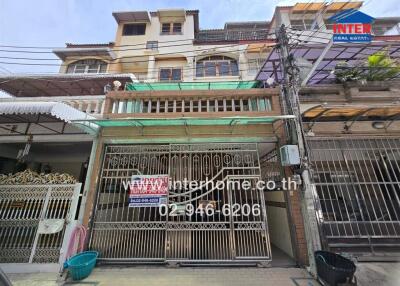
(87, 66)
(70, 69)
(171, 28)
(103, 68)
(223, 68)
(234, 68)
(210, 69)
(134, 29)
(170, 74)
(80, 68)
(297, 24)
(199, 69)
(177, 28)
(165, 74)
(217, 66)
(165, 28)
(176, 74)
(152, 45)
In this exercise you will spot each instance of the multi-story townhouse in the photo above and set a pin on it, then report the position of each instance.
(165, 98)
(351, 131)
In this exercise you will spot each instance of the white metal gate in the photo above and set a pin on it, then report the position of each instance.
(26, 208)
(358, 187)
(121, 233)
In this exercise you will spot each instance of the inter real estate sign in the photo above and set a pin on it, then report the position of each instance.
(148, 190)
(352, 26)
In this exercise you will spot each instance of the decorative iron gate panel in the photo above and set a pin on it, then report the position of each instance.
(358, 187)
(22, 209)
(142, 234)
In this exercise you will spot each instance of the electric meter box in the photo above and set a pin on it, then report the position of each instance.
(290, 155)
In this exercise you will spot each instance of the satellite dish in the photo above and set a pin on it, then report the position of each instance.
(117, 84)
(304, 66)
(270, 81)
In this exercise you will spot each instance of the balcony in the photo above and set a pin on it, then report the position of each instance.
(221, 35)
(90, 104)
(352, 92)
(192, 103)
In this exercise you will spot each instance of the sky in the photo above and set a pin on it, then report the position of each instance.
(52, 23)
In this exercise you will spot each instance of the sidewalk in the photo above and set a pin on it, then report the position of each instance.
(161, 276)
(375, 273)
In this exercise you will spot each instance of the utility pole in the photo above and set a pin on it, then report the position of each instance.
(294, 128)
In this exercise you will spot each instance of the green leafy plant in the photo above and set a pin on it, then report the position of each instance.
(381, 67)
(378, 67)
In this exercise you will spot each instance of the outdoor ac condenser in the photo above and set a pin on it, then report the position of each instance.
(290, 155)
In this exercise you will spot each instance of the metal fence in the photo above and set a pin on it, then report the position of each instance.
(121, 233)
(26, 211)
(358, 187)
(231, 35)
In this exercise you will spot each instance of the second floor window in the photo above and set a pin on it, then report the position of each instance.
(217, 66)
(87, 66)
(170, 74)
(171, 28)
(152, 45)
(134, 29)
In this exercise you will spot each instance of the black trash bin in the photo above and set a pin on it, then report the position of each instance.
(333, 268)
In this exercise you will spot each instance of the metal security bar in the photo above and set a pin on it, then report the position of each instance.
(22, 209)
(190, 105)
(138, 234)
(358, 188)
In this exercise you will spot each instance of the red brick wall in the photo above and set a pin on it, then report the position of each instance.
(298, 227)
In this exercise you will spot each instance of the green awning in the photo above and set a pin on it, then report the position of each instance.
(187, 121)
(144, 86)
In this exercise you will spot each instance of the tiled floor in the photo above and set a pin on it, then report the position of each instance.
(162, 276)
(368, 274)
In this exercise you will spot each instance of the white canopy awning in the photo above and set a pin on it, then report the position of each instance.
(44, 114)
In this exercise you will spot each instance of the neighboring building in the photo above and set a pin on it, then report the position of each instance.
(352, 134)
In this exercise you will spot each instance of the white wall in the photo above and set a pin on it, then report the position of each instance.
(278, 223)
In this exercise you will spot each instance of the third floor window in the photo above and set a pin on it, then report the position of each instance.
(134, 29)
(217, 66)
(171, 28)
(303, 24)
(87, 66)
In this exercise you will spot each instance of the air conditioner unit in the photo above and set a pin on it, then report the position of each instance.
(290, 155)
